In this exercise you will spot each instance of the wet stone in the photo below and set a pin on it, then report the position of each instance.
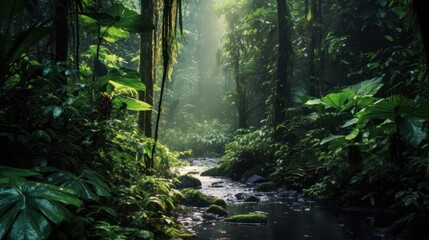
(240, 196)
(252, 198)
(217, 184)
(255, 179)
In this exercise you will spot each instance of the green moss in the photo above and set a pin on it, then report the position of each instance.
(215, 209)
(187, 181)
(248, 219)
(195, 198)
(265, 187)
(220, 202)
(216, 171)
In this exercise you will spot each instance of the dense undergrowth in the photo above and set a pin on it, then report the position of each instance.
(75, 163)
(350, 148)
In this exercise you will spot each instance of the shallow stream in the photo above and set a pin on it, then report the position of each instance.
(289, 218)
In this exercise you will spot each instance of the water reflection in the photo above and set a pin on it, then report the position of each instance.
(286, 223)
(288, 219)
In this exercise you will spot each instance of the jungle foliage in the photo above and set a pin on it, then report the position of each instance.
(357, 131)
(75, 162)
(327, 97)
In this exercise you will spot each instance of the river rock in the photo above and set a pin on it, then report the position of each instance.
(288, 194)
(209, 216)
(240, 196)
(217, 184)
(215, 209)
(220, 202)
(255, 179)
(252, 198)
(187, 181)
(265, 187)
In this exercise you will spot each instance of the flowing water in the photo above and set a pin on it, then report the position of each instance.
(289, 218)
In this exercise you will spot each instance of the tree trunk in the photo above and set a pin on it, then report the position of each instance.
(147, 72)
(423, 20)
(61, 30)
(315, 54)
(240, 87)
(283, 85)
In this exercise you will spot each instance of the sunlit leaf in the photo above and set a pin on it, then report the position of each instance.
(132, 104)
(112, 33)
(125, 77)
(353, 134)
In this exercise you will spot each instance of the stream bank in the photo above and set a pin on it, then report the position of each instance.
(289, 215)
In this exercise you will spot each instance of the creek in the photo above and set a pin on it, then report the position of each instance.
(290, 216)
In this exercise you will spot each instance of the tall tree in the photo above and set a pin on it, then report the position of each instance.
(423, 20)
(147, 72)
(61, 30)
(283, 83)
(314, 19)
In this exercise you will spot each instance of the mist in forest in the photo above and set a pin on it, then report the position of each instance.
(195, 102)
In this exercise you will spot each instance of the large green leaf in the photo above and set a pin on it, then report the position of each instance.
(88, 185)
(128, 19)
(126, 77)
(131, 104)
(29, 208)
(112, 34)
(10, 173)
(413, 131)
(386, 108)
(366, 88)
(337, 100)
(120, 17)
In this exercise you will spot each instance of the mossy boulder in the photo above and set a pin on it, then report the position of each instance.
(220, 202)
(265, 187)
(247, 219)
(216, 171)
(187, 181)
(215, 209)
(195, 198)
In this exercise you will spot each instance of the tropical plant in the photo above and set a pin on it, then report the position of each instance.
(30, 209)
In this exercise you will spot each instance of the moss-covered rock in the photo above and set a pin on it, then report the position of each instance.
(220, 202)
(265, 187)
(216, 171)
(195, 198)
(215, 209)
(187, 181)
(248, 219)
